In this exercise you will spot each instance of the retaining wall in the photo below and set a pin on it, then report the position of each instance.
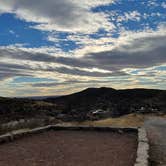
(143, 148)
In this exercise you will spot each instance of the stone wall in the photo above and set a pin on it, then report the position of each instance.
(143, 148)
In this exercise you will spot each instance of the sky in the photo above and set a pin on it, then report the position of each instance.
(58, 47)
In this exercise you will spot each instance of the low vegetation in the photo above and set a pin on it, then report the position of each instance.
(130, 120)
(90, 106)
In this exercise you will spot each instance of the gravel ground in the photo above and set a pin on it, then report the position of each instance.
(156, 130)
(71, 148)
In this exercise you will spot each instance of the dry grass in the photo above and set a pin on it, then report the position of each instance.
(43, 103)
(131, 120)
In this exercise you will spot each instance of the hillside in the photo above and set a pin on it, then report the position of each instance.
(12, 109)
(89, 104)
(110, 103)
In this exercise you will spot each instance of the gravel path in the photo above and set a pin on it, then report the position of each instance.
(156, 130)
(71, 148)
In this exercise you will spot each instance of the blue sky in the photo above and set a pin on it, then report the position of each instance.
(59, 47)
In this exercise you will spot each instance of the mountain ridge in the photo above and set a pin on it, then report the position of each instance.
(114, 102)
(88, 104)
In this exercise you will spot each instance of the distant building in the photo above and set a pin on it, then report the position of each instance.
(98, 111)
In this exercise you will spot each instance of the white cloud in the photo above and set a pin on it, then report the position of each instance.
(64, 15)
(11, 31)
(94, 3)
(163, 5)
(132, 15)
(131, 50)
(102, 61)
(152, 3)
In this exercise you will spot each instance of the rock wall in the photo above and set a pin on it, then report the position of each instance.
(143, 148)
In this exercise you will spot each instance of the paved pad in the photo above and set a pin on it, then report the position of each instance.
(71, 148)
(156, 130)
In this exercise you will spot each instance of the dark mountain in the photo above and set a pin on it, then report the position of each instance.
(91, 103)
(113, 102)
(37, 97)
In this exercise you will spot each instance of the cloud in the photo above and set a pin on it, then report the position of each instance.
(90, 46)
(69, 82)
(63, 15)
(82, 72)
(132, 15)
(12, 70)
(130, 50)
(141, 53)
(11, 32)
(163, 5)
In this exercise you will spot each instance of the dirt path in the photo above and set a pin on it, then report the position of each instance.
(71, 148)
(156, 130)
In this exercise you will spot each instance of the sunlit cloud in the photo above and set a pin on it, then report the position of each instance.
(81, 44)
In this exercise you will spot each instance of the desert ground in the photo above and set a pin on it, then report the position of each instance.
(71, 148)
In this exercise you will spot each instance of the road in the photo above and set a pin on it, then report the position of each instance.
(156, 130)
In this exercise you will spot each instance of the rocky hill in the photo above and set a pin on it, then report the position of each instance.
(89, 104)
(103, 102)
